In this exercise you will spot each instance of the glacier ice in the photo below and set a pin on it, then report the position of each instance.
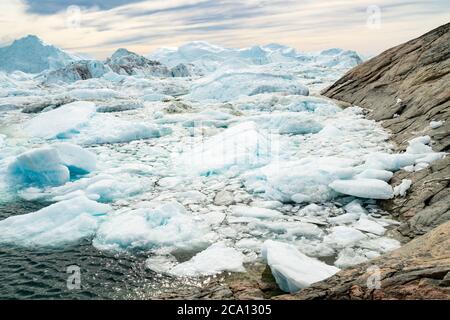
(59, 224)
(215, 259)
(241, 145)
(255, 212)
(364, 188)
(343, 236)
(402, 188)
(53, 165)
(214, 145)
(166, 224)
(292, 269)
(61, 122)
(39, 167)
(31, 55)
(231, 85)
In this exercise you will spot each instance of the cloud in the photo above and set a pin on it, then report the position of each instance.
(47, 7)
(143, 26)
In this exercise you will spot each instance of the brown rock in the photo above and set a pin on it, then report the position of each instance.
(418, 73)
(418, 270)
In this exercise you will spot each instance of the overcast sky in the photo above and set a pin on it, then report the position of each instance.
(98, 27)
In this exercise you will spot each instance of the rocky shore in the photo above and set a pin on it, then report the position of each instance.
(406, 89)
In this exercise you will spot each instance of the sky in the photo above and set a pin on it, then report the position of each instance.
(98, 27)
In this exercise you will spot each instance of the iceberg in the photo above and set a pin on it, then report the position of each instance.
(303, 180)
(158, 225)
(364, 188)
(343, 236)
(51, 166)
(59, 224)
(228, 86)
(292, 269)
(31, 55)
(254, 212)
(62, 122)
(106, 131)
(242, 145)
(215, 259)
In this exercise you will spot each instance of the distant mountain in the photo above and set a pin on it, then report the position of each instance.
(32, 55)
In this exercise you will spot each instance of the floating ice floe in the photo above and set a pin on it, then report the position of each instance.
(242, 145)
(103, 130)
(59, 224)
(363, 188)
(304, 180)
(213, 260)
(164, 225)
(61, 122)
(343, 236)
(292, 269)
(231, 85)
(52, 166)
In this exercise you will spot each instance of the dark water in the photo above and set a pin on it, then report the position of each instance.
(42, 273)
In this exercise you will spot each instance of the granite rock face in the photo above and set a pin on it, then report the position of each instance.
(406, 88)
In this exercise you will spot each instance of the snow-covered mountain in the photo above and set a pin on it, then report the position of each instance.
(32, 55)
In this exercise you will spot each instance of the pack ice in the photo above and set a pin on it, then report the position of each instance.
(59, 224)
(51, 166)
(292, 269)
(218, 152)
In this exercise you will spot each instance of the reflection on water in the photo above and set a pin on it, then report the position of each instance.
(42, 273)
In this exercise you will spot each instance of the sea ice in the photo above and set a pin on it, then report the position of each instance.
(292, 269)
(363, 188)
(343, 236)
(241, 145)
(370, 226)
(53, 165)
(231, 85)
(61, 122)
(254, 212)
(163, 225)
(213, 260)
(56, 225)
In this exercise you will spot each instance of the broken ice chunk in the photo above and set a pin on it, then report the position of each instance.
(402, 188)
(292, 269)
(61, 122)
(342, 236)
(61, 223)
(215, 259)
(363, 188)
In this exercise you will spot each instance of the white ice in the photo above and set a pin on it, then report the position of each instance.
(292, 269)
(215, 259)
(59, 224)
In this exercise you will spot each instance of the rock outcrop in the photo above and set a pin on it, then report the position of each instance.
(418, 270)
(406, 88)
